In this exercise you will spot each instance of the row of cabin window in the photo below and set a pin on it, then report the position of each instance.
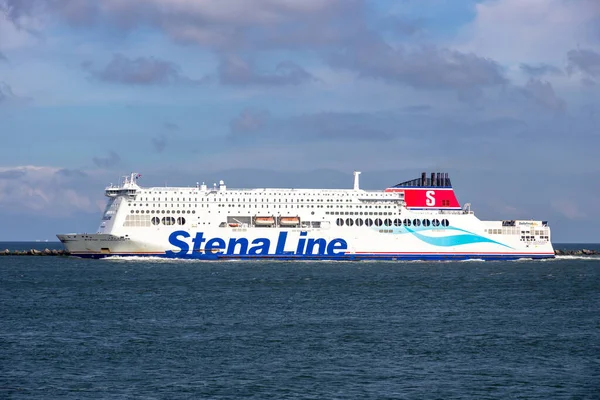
(262, 200)
(256, 206)
(513, 231)
(389, 222)
(358, 213)
(167, 221)
(532, 238)
(163, 211)
(320, 194)
(504, 231)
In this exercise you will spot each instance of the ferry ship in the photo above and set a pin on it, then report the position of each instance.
(419, 219)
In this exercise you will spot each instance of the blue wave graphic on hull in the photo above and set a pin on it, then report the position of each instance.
(454, 240)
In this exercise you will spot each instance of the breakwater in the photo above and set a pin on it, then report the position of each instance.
(578, 252)
(34, 252)
(61, 252)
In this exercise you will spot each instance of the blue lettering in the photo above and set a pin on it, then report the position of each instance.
(198, 240)
(259, 246)
(183, 246)
(301, 242)
(281, 243)
(215, 244)
(243, 246)
(257, 249)
(336, 244)
(310, 246)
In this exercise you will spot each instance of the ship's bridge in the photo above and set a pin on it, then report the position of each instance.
(128, 187)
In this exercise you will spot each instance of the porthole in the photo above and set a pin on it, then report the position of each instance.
(339, 222)
(155, 221)
(378, 222)
(349, 221)
(435, 222)
(406, 222)
(445, 222)
(181, 221)
(426, 222)
(397, 222)
(368, 222)
(359, 222)
(416, 222)
(387, 222)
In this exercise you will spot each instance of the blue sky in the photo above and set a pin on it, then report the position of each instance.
(502, 94)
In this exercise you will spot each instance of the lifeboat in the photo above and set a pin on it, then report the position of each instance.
(289, 221)
(264, 221)
(234, 225)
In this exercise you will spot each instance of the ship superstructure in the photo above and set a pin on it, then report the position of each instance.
(419, 219)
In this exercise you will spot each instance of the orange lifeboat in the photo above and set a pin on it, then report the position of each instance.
(264, 221)
(289, 221)
(234, 225)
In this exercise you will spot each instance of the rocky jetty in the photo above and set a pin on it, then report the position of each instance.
(578, 252)
(34, 252)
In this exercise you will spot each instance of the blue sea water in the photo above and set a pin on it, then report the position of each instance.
(155, 329)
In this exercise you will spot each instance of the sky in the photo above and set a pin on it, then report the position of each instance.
(504, 95)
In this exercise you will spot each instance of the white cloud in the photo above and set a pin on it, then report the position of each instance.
(13, 37)
(43, 190)
(568, 208)
(226, 11)
(516, 31)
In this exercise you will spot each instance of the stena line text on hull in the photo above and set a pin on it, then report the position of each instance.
(259, 246)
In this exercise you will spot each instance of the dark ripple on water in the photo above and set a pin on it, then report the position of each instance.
(154, 329)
